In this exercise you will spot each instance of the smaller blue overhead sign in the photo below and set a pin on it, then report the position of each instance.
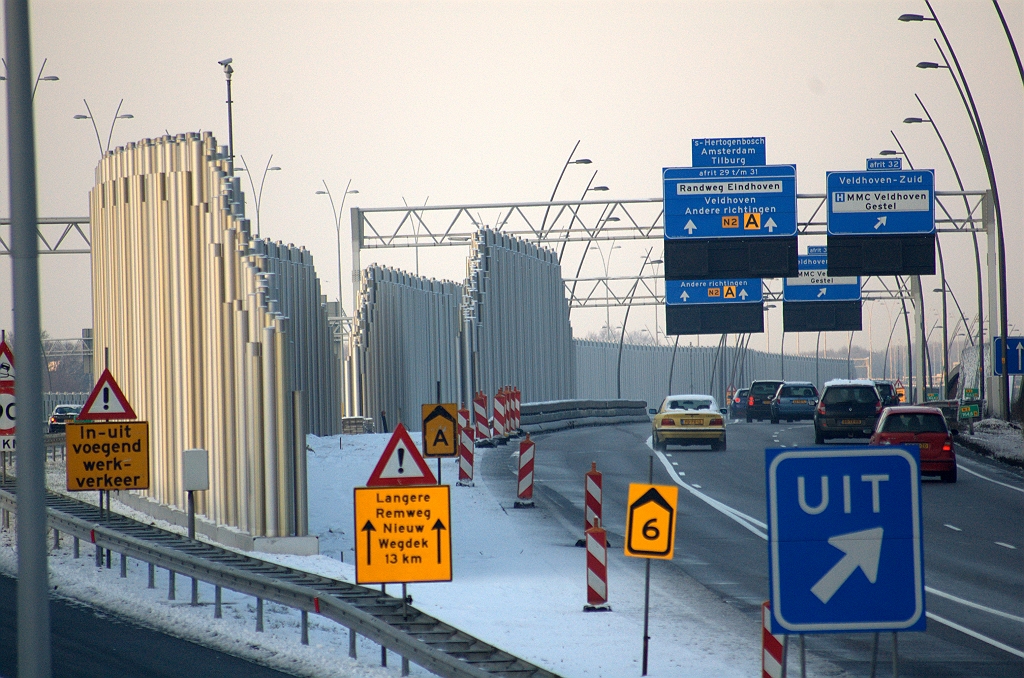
(845, 539)
(883, 164)
(815, 284)
(689, 292)
(728, 152)
(723, 202)
(881, 203)
(1014, 355)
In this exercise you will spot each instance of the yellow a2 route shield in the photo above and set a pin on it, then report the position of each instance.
(403, 534)
(651, 521)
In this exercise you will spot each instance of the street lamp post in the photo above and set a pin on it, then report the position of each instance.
(568, 161)
(605, 263)
(226, 63)
(622, 337)
(39, 77)
(258, 196)
(118, 115)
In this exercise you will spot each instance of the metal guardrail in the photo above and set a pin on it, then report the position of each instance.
(390, 622)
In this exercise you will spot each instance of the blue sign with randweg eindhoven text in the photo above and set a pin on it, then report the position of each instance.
(815, 284)
(723, 202)
(845, 539)
(728, 152)
(689, 292)
(881, 203)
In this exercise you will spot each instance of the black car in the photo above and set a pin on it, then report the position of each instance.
(887, 392)
(738, 404)
(847, 409)
(759, 400)
(61, 415)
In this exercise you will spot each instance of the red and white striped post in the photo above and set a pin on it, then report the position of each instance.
(516, 413)
(597, 569)
(483, 429)
(499, 417)
(465, 449)
(527, 449)
(592, 496)
(772, 653)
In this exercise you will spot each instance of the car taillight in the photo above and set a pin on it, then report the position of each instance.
(736, 400)
(821, 409)
(717, 421)
(947, 447)
(667, 422)
(750, 401)
(878, 407)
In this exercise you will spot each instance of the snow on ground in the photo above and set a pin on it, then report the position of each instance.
(996, 438)
(518, 583)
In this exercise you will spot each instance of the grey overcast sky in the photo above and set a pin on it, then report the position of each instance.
(474, 102)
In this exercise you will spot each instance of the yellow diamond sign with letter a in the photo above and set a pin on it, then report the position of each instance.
(651, 521)
(403, 534)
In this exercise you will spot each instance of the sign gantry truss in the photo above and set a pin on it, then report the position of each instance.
(57, 235)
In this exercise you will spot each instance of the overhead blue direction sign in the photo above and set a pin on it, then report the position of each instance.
(724, 202)
(815, 284)
(690, 292)
(1014, 355)
(844, 539)
(889, 203)
(884, 164)
(728, 152)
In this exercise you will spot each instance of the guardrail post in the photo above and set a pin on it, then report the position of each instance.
(305, 627)
(383, 656)
(124, 566)
(405, 666)
(170, 584)
(259, 615)
(99, 556)
(352, 643)
(195, 591)
(76, 547)
(152, 577)
(216, 603)
(56, 539)
(108, 559)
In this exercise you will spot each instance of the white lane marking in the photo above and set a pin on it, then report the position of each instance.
(991, 480)
(697, 486)
(1009, 546)
(953, 527)
(749, 523)
(976, 606)
(974, 634)
(675, 463)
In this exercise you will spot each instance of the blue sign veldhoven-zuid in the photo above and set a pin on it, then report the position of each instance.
(844, 539)
(881, 203)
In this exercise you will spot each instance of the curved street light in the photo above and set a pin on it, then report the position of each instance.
(39, 78)
(258, 196)
(118, 115)
(568, 161)
(336, 213)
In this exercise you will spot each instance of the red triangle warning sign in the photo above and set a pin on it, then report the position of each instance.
(6, 362)
(401, 464)
(106, 401)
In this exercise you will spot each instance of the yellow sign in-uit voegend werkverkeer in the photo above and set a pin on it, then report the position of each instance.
(107, 456)
(403, 534)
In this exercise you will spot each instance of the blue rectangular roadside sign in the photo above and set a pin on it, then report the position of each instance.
(882, 203)
(690, 292)
(884, 164)
(815, 284)
(723, 202)
(728, 152)
(1014, 355)
(845, 544)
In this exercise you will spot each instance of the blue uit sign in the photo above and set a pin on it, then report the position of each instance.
(723, 202)
(884, 164)
(728, 152)
(1014, 355)
(882, 203)
(689, 292)
(815, 284)
(844, 539)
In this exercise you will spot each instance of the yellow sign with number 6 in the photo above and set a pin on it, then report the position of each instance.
(651, 521)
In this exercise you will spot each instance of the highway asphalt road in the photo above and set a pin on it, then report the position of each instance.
(974, 542)
(90, 643)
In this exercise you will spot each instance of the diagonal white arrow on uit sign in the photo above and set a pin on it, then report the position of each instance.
(861, 549)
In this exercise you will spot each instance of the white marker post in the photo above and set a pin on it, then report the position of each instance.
(195, 476)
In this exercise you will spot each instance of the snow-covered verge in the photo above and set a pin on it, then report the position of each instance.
(518, 583)
(995, 438)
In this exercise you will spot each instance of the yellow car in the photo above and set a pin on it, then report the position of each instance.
(689, 420)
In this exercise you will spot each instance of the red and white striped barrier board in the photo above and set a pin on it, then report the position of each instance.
(527, 448)
(516, 423)
(483, 430)
(465, 449)
(771, 647)
(597, 568)
(592, 496)
(499, 415)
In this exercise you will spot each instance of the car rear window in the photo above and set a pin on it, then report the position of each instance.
(690, 404)
(798, 392)
(766, 388)
(849, 394)
(914, 423)
(66, 410)
(885, 390)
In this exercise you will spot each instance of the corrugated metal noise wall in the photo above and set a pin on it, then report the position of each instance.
(645, 370)
(219, 340)
(507, 325)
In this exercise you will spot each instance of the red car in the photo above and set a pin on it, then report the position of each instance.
(925, 427)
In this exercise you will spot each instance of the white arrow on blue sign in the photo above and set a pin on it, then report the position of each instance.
(844, 539)
(736, 290)
(1014, 355)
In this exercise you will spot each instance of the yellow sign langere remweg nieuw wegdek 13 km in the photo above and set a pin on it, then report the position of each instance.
(403, 534)
(108, 456)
